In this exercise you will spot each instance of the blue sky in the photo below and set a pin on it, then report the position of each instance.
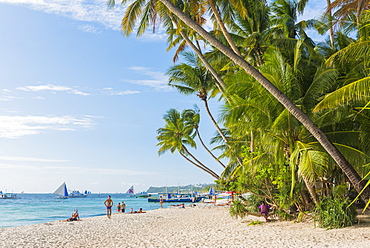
(80, 103)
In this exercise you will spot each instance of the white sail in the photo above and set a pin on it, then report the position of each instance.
(62, 190)
(130, 190)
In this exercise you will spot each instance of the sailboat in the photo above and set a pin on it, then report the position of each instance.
(62, 191)
(130, 192)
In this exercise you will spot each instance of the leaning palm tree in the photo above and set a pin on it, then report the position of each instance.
(176, 135)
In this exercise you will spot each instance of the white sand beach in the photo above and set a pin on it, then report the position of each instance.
(175, 227)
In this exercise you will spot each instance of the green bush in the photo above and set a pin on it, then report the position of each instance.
(238, 209)
(334, 213)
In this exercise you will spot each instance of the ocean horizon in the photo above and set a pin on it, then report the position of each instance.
(35, 208)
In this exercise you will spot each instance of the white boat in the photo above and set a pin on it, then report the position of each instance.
(62, 193)
(130, 192)
(76, 194)
(7, 195)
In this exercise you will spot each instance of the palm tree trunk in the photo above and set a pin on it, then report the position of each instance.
(205, 147)
(220, 83)
(311, 190)
(352, 175)
(223, 28)
(200, 164)
(251, 149)
(331, 30)
(240, 162)
(214, 121)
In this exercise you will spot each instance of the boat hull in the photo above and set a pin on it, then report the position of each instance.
(8, 197)
(173, 200)
(76, 196)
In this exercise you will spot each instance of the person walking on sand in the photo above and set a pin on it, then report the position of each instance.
(119, 207)
(264, 210)
(123, 206)
(161, 201)
(109, 204)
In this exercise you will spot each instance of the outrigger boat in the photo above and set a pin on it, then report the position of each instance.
(7, 195)
(62, 193)
(76, 194)
(175, 198)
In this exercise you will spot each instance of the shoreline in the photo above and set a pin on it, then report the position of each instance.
(205, 226)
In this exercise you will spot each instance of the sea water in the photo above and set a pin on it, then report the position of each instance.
(30, 209)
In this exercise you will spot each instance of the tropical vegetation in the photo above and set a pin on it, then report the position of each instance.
(295, 115)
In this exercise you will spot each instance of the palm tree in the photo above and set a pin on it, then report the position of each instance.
(191, 77)
(347, 168)
(175, 135)
(192, 117)
(346, 7)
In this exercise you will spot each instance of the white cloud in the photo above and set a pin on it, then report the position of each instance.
(112, 92)
(158, 80)
(29, 159)
(52, 88)
(8, 98)
(91, 11)
(89, 29)
(18, 126)
(51, 169)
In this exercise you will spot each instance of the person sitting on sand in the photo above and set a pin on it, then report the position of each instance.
(74, 217)
(137, 212)
(264, 210)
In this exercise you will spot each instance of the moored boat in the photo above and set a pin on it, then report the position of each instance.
(7, 195)
(142, 195)
(76, 194)
(175, 198)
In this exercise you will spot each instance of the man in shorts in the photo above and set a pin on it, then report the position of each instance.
(109, 204)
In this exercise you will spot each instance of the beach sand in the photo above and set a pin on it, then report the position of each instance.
(176, 227)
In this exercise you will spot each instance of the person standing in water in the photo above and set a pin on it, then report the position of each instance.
(123, 206)
(109, 204)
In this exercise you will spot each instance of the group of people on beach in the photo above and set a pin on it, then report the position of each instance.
(264, 209)
(121, 207)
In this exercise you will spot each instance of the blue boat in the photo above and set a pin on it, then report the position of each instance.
(176, 198)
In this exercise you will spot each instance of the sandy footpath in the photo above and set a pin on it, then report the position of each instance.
(189, 227)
